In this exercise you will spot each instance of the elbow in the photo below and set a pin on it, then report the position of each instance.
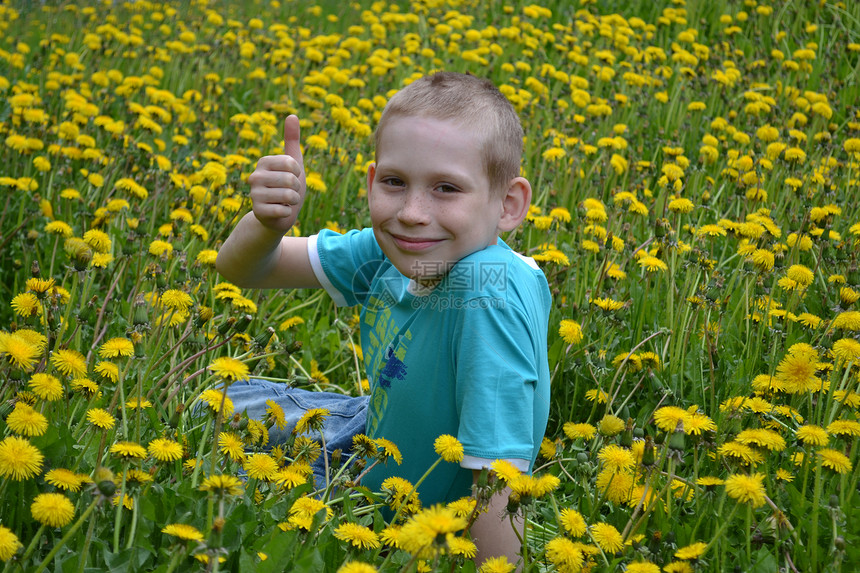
(225, 269)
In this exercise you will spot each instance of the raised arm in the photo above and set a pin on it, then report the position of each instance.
(257, 254)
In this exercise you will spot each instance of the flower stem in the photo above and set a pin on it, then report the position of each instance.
(69, 534)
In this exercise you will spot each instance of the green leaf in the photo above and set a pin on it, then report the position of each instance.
(764, 562)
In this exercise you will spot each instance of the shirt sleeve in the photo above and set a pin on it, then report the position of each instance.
(497, 382)
(345, 264)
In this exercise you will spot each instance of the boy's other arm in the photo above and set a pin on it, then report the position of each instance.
(257, 254)
(493, 533)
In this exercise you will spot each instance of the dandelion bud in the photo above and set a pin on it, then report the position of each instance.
(218, 524)
(294, 346)
(262, 339)
(35, 270)
(839, 543)
(513, 504)
(648, 452)
(483, 478)
(128, 247)
(669, 537)
(82, 258)
(713, 292)
(834, 501)
(86, 313)
(174, 419)
(335, 458)
(140, 316)
(225, 326)
(204, 315)
(582, 457)
(676, 440)
(627, 434)
(104, 482)
(243, 322)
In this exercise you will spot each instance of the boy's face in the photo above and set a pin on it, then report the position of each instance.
(430, 197)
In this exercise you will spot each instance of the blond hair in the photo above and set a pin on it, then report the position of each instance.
(472, 102)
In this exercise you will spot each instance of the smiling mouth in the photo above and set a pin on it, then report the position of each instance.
(414, 244)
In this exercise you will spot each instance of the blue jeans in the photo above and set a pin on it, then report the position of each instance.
(347, 414)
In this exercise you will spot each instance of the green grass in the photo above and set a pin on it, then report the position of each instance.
(698, 335)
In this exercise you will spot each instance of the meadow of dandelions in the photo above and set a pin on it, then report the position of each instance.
(695, 169)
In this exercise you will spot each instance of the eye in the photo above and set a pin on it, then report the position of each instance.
(393, 182)
(446, 188)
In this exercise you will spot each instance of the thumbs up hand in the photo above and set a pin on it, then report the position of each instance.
(278, 183)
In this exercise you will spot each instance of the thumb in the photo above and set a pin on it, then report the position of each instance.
(291, 139)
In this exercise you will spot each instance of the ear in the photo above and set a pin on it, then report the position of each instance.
(515, 204)
(371, 173)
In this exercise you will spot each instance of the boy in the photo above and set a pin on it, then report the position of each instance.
(453, 322)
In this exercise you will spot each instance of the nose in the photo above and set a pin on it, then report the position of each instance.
(414, 208)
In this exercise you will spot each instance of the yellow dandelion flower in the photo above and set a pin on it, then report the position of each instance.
(449, 448)
(834, 460)
(216, 400)
(763, 438)
(849, 320)
(70, 363)
(812, 435)
(66, 479)
(615, 458)
(260, 466)
(565, 555)
(128, 450)
(389, 450)
(311, 421)
(183, 531)
(579, 431)
(222, 485)
(165, 450)
(357, 535)
(570, 331)
(573, 522)
(229, 368)
(618, 487)
(693, 551)
(9, 544)
(100, 418)
(610, 425)
(746, 488)
(116, 347)
(844, 428)
(497, 565)
(291, 322)
(231, 445)
(26, 421)
(26, 305)
(505, 470)
(667, 418)
(52, 509)
(177, 300)
(356, 567)
(19, 459)
(607, 537)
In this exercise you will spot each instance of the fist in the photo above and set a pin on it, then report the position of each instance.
(278, 183)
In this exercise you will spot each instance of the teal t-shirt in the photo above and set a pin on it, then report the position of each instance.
(467, 358)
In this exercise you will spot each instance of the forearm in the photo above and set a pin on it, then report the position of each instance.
(494, 534)
(249, 255)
